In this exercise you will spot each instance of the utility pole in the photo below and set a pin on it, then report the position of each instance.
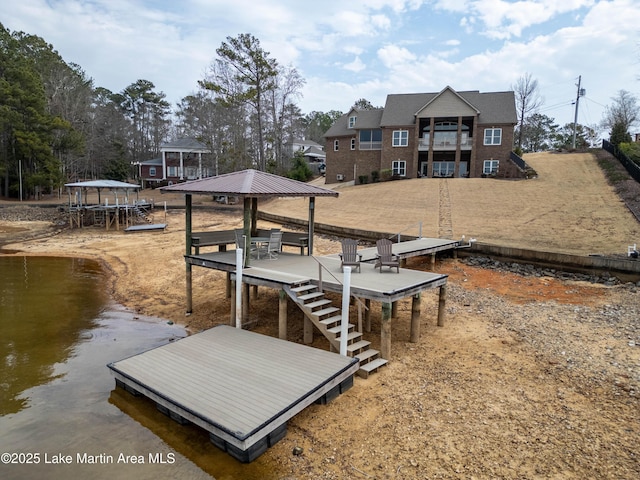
(581, 92)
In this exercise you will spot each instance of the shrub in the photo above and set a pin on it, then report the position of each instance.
(386, 174)
(375, 176)
(632, 151)
(363, 179)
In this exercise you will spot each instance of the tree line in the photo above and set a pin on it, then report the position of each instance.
(56, 126)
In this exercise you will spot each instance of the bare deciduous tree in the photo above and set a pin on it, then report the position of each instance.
(528, 100)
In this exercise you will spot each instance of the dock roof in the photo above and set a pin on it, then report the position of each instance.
(250, 183)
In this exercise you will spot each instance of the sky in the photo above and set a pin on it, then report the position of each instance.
(367, 49)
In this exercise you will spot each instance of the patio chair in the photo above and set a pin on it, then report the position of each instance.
(275, 244)
(385, 257)
(350, 256)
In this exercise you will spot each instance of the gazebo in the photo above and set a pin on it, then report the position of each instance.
(250, 185)
(79, 206)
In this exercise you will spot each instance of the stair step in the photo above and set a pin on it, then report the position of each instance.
(355, 348)
(304, 288)
(317, 303)
(367, 356)
(310, 296)
(351, 337)
(371, 367)
(326, 311)
(331, 321)
(336, 330)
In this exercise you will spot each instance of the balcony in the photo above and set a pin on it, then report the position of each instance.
(446, 141)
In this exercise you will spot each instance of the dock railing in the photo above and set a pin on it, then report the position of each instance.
(399, 234)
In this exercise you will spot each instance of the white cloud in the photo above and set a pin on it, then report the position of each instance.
(393, 56)
(356, 66)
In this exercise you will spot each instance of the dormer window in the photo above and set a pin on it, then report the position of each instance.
(352, 121)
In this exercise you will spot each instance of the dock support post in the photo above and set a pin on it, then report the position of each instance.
(442, 300)
(228, 284)
(415, 318)
(188, 226)
(232, 319)
(189, 281)
(282, 315)
(394, 309)
(245, 303)
(385, 332)
(308, 331)
(367, 316)
(433, 262)
(239, 284)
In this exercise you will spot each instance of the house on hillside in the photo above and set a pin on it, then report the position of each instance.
(313, 153)
(445, 134)
(179, 161)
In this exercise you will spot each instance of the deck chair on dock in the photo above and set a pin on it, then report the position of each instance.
(350, 256)
(385, 257)
(275, 244)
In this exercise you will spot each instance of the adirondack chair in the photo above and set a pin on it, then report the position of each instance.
(385, 257)
(350, 256)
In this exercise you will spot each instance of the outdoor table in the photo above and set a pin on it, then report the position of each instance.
(258, 242)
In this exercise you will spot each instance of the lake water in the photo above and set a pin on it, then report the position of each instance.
(60, 414)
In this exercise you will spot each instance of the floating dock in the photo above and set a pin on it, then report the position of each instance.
(240, 386)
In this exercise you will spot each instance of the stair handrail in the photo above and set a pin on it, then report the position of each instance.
(320, 267)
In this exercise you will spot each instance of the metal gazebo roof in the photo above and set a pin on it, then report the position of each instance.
(250, 183)
(103, 184)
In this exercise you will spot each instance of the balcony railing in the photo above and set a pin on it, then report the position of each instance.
(448, 143)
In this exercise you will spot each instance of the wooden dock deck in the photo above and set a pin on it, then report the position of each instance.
(240, 386)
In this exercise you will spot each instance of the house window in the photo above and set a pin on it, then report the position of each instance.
(492, 136)
(172, 171)
(152, 171)
(335, 145)
(353, 144)
(399, 167)
(371, 139)
(400, 138)
(352, 121)
(490, 167)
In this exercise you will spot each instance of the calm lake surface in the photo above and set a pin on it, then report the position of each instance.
(61, 416)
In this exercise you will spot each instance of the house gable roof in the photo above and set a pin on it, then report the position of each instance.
(367, 119)
(492, 108)
(315, 152)
(452, 100)
(185, 145)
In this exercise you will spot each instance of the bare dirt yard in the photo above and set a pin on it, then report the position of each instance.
(531, 376)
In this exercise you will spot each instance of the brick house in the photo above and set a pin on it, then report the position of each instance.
(445, 134)
(179, 161)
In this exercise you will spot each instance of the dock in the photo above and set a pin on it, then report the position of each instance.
(240, 386)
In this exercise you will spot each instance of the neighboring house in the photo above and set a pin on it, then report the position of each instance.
(313, 153)
(446, 134)
(179, 161)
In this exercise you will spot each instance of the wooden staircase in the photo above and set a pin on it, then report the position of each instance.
(142, 214)
(327, 319)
